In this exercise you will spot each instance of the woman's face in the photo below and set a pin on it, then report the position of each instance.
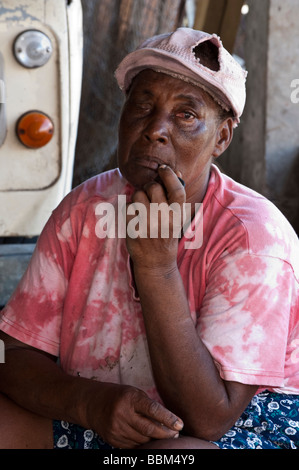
(168, 121)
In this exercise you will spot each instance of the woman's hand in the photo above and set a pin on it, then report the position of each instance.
(127, 417)
(153, 242)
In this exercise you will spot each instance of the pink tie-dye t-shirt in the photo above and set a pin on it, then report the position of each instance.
(77, 299)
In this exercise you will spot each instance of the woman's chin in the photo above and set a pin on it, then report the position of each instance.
(141, 178)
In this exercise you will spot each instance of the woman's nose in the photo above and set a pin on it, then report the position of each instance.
(157, 130)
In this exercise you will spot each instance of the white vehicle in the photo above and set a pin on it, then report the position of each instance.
(40, 72)
(41, 49)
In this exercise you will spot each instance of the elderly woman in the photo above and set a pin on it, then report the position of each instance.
(126, 341)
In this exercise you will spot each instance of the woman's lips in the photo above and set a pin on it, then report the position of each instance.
(148, 163)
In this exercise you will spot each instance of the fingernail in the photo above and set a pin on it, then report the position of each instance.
(176, 436)
(163, 166)
(178, 425)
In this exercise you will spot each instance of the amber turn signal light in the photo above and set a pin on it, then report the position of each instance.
(35, 129)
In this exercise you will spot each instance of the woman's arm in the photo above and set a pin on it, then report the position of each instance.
(122, 415)
(184, 370)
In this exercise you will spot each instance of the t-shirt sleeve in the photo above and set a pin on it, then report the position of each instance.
(245, 316)
(33, 313)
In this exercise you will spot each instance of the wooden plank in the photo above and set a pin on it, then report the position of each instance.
(221, 17)
(200, 14)
(214, 16)
(230, 23)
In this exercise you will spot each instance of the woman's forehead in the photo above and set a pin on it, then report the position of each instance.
(149, 82)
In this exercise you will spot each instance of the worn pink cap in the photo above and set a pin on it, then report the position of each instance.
(193, 56)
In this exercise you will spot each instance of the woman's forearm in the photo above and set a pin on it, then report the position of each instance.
(37, 383)
(122, 415)
(184, 370)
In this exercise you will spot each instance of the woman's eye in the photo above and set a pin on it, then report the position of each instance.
(144, 107)
(186, 115)
(141, 108)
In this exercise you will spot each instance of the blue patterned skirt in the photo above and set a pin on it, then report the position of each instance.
(71, 436)
(271, 421)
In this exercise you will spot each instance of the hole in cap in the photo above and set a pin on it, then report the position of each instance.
(207, 53)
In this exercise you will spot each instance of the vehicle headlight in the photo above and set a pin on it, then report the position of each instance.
(32, 48)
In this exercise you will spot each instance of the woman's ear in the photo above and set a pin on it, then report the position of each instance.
(224, 137)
